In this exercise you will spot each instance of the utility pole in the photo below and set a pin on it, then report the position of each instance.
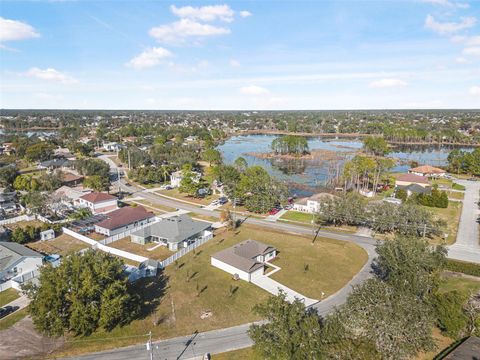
(424, 230)
(128, 152)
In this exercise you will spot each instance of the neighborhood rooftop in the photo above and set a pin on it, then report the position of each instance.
(413, 178)
(427, 169)
(174, 229)
(11, 252)
(126, 215)
(96, 197)
(242, 255)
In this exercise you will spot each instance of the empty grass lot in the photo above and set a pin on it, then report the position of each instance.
(61, 245)
(451, 215)
(304, 218)
(178, 195)
(24, 224)
(195, 286)
(8, 296)
(160, 253)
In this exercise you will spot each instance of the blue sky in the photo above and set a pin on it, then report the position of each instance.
(240, 54)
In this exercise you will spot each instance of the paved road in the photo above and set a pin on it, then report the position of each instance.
(467, 246)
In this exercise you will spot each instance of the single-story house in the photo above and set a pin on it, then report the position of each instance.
(68, 195)
(428, 171)
(415, 189)
(8, 202)
(71, 179)
(177, 176)
(55, 164)
(175, 232)
(112, 146)
(98, 202)
(16, 259)
(408, 179)
(311, 204)
(245, 260)
(123, 219)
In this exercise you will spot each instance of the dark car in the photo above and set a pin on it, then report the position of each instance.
(222, 200)
(4, 311)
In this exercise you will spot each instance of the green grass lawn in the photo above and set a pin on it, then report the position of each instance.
(11, 319)
(61, 245)
(196, 286)
(450, 282)
(452, 217)
(305, 218)
(242, 354)
(160, 253)
(456, 195)
(456, 186)
(8, 296)
(178, 195)
(159, 209)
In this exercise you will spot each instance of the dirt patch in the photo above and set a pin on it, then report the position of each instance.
(23, 341)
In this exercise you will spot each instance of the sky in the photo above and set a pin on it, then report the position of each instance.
(240, 55)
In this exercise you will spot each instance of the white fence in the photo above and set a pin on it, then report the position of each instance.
(107, 249)
(126, 233)
(186, 250)
(17, 281)
(17, 219)
(6, 285)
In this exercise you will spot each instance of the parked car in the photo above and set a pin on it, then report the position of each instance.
(4, 311)
(215, 202)
(223, 200)
(472, 179)
(288, 207)
(273, 211)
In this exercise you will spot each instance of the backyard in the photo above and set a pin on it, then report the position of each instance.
(193, 287)
(61, 245)
(160, 253)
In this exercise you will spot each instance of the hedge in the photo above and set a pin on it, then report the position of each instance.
(463, 267)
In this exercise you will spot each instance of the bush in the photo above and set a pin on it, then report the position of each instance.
(463, 267)
(451, 319)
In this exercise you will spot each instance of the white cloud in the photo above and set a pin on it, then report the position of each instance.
(474, 51)
(149, 58)
(475, 90)
(461, 60)
(386, 83)
(50, 75)
(179, 31)
(204, 13)
(449, 27)
(11, 30)
(447, 3)
(245, 13)
(234, 63)
(473, 41)
(254, 90)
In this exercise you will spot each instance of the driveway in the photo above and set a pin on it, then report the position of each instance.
(21, 302)
(467, 246)
(274, 287)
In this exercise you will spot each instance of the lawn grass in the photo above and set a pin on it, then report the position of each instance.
(451, 215)
(455, 195)
(242, 354)
(456, 186)
(11, 319)
(160, 253)
(161, 209)
(61, 245)
(181, 304)
(463, 284)
(24, 224)
(8, 296)
(178, 195)
(306, 219)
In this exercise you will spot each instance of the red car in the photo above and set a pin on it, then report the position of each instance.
(273, 211)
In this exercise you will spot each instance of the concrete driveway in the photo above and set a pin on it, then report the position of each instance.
(274, 287)
(467, 246)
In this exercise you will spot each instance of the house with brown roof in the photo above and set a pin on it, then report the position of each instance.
(409, 179)
(245, 260)
(123, 219)
(98, 202)
(428, 171)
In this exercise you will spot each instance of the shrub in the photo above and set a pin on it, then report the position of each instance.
(463, 267)
(451, 319)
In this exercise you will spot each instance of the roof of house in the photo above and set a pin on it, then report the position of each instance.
(11, 252)
(315, 197)
(242, 256)
(413, 178)
(467, 350)
(55, 163)
(427, 169)
(415, 188)
(175, 229)
(69, 177)
(97, 197)
(124, 216)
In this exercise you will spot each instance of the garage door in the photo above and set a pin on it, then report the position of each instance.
(256, 274)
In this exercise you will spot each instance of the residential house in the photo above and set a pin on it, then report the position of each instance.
(123, 219)
(64, 153)
(98, 202)
(428, 171)
(414, 189)
(8, 202)
(71, 179)
(112, 146)
(245, 260)
(177, 176)
(16, 260)
(55, 164)
(175, 232)
(311, 204)
(69, 196)
(7, 148)
(409, 179)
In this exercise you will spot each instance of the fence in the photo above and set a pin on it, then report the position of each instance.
(6, 285)
(17, 219)
(186, 250)
(102, 247)
(126, 233)
(17, 281)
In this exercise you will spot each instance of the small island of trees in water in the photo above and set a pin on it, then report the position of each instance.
(290, 145)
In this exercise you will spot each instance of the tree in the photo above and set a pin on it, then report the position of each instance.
(240, 164)
(89, 167)
(39, 152)
(26, 183)
(8, 174)
(188, 184)
(376, 145)
(290, 144)
(212, 156)
(80, 214)
(35, 201)
(451, 318)
(97, 183)
(85, 292)
(291, 331)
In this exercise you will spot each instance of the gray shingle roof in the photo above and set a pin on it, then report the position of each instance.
(242, 256)
(11, 252)
(175, 229)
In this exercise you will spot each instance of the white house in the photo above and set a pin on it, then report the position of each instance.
(177, 176)
(245, 260)
(17, 260)
(98, 202)
(123, 219)
(311, 204)
(175, 232)
(428, 171)
(112, 146)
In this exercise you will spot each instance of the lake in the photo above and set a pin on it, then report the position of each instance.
(305, 177)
